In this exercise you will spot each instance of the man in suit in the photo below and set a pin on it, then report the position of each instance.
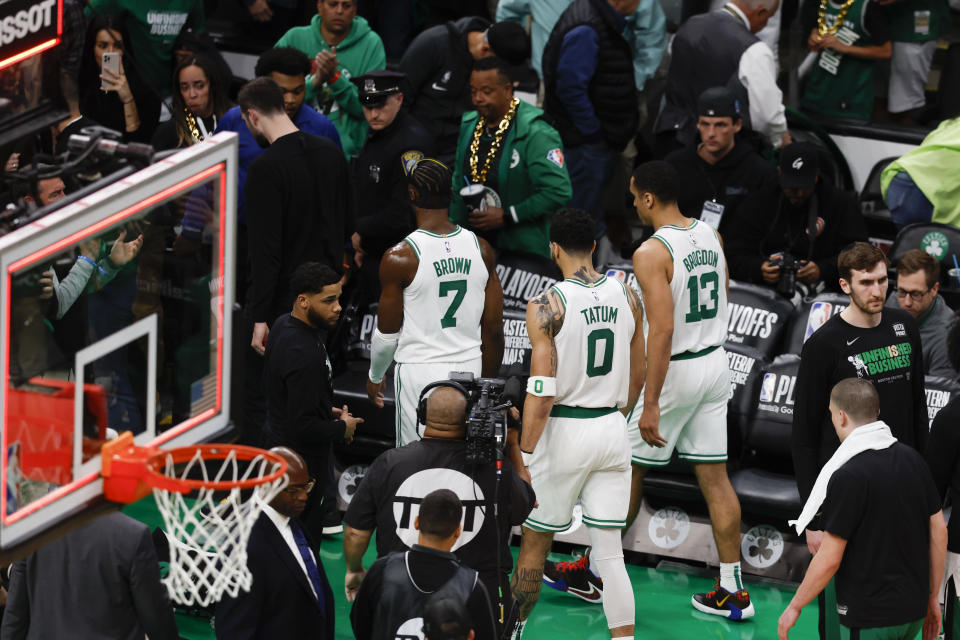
(98, 582)
(290, 597)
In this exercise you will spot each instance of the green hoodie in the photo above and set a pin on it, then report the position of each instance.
(361, 51)
(532, 180)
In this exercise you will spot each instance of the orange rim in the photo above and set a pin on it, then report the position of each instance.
(155, 477)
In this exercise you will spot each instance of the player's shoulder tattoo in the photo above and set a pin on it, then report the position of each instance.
(550, 310)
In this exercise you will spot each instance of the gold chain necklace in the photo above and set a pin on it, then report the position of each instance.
(192, 125)
(822, 29)
(481, 176)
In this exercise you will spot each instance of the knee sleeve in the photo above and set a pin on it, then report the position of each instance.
(607, 557)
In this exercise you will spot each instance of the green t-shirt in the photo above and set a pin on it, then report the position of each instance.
(153, 27)
(918, 20)
(843, 85)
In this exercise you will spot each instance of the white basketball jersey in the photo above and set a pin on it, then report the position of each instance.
(593, 345)
(443, 305)
(699, 286)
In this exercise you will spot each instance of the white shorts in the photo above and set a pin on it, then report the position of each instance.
(586, 459)
(409, 379)
(693, 413)
(909, 68)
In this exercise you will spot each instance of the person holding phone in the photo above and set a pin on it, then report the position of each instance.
(111, 91)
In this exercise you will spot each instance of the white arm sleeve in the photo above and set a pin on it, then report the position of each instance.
(758, 73)
(70, 288)
(382, 348)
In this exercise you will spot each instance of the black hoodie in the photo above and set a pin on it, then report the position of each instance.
(739, 173)
(438, 65)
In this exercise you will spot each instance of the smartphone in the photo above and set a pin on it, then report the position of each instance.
(111, 61)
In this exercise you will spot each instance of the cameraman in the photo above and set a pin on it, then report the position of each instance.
(803, 220)
(389, 497)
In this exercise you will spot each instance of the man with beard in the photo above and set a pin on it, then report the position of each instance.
(296, 380)
(866, 340)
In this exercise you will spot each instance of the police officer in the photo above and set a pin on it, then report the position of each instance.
(395, 141)
(395, 485)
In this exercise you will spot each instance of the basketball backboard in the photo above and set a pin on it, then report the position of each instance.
(128, 339)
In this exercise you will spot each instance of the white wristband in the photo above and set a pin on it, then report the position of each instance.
(527, 457)
(542, 386)
(382, 348)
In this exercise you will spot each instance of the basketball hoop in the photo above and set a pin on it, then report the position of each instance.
(209, 496)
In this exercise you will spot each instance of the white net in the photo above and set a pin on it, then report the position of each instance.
(208, 530)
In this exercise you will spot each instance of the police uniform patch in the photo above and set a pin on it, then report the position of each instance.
(556, 157)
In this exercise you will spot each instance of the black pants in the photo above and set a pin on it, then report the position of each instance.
(489, 580)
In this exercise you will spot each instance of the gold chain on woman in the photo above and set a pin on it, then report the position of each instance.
(822, 18)
(481, 176)
(192, 125)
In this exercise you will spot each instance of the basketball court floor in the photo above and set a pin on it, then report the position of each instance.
(663, 603)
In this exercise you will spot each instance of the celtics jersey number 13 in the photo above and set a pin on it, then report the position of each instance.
(699, 286)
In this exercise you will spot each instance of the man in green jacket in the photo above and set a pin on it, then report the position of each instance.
(508, 147)
(342, 45)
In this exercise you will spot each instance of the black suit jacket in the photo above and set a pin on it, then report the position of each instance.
(99, 582)
(280, 603)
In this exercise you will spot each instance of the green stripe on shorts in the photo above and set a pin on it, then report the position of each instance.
(530, 523)
(396, 404)
(604, 524)
(647, 462)
(696, 457)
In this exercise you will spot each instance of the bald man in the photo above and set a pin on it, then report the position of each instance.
(388, 500)
(290, 597)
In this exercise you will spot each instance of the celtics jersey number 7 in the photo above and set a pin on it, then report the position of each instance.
(699, 286)
(443, 304)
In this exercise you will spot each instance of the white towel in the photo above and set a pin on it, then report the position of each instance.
(875, 435)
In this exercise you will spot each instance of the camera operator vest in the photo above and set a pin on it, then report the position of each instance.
(401, 604)
(611, 89)
(706, 53)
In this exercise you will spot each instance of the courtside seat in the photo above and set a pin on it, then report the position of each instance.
(942, 241)
(765, 483)
(810, 316)
(759, 318)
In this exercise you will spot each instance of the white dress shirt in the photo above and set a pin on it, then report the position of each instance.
(758, 73)
(282, 523)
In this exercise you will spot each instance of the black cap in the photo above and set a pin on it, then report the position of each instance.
(799, 165)
(509, 41)
(376, 86)
(718, 102)
(445, 618)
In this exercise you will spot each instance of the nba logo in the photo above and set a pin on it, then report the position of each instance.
(617, 274)
(820, 312)
(446, 246)
(595, 296)
(769, 387)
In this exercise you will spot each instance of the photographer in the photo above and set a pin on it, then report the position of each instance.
(390, 495)
(794, 229)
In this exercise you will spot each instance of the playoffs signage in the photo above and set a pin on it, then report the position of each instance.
(28, 27)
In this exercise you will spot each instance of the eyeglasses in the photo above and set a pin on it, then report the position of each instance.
(916, 296)
(294, 489)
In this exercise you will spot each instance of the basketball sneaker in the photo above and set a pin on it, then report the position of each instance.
(574, 578)
(720, 602)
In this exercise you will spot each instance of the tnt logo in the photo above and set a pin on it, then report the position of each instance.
(820, 312)
(769, 387)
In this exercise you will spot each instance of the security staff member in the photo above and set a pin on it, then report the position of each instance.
(395, 140)
(392, 600)
(391, 491)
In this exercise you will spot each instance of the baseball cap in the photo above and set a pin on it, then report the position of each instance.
(374, 87)
(445, 618)
(509, 41)
(718, 102)
(799, 165)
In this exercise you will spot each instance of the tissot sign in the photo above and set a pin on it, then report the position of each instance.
(28, 27)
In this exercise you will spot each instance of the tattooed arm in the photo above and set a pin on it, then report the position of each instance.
(638, 362)
(544, 319)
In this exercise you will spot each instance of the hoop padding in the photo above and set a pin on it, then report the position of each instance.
(209, 497)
